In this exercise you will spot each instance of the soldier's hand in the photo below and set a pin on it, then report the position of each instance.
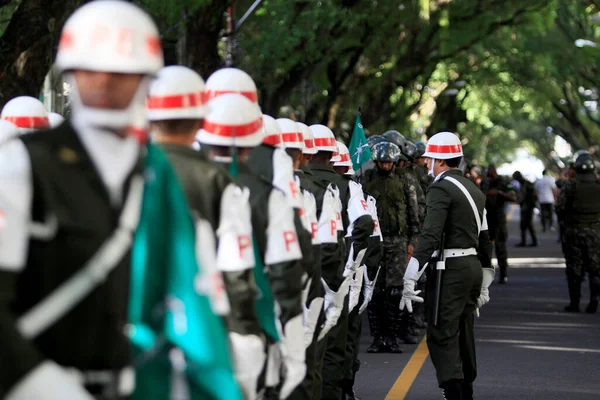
(409, 252)
(492, 192)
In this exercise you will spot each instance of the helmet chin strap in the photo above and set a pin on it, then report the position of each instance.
(430, 172)
(91, 117)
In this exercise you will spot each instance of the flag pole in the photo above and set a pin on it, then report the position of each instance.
(361, 165)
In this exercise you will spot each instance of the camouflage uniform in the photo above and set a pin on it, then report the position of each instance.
(397, 209)
(579, 211)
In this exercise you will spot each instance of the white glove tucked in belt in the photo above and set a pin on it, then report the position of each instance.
(353, 262)
(356, 287)
(48, 382)
(311, 317)
(248, 358)
(369, 286)
(334, 305)
(294, 356)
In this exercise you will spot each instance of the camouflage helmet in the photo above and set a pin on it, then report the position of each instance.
(578, 153)
(584, 164)
(386, 152)
(373, 140)
(395, 137)
(409, 149)
(420, 149)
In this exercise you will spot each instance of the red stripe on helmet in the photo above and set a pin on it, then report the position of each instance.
(233, 130)
(345, 157)
(272, 140)
(211, 94)
(444, 148)
(309, 143)
(322, 142)
(175, 101)
(29, 122)
(292, 137)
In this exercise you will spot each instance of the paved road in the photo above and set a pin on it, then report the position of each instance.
(527, 347)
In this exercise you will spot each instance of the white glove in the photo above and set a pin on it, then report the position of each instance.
(272, 377)
(369, 286)
(311, 317)
(484, 295)
(334, 304)
(411, 276)
(48, 382)
(294, 356)
(356, 287)
(248, 354)
(353, 263)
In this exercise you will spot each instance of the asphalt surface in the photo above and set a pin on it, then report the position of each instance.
(527, 346)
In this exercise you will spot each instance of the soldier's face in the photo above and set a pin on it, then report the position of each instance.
(386, 166)
(105, 89)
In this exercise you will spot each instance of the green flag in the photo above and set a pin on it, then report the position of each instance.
(165, 309)
(359, 149)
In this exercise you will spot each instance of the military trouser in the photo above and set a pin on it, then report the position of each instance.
(526, 224)
(581, 247)
(352, 364)
(546, 211)
(335, 355)
(452, 343)
(376, 307)
(320, 348)
(499, 234)
(306, 390)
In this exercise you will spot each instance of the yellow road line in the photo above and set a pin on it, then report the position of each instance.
(409, 373)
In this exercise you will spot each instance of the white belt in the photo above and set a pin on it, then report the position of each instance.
(126, 378)
(453, 253)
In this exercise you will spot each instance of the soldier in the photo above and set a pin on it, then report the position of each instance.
(7, 131)
(578, 209)
(28, 114)
(399, 229)
(64, 193)
(455, 210)
(499, 192)
(176, 109)
(360, 227)
(234, 121)
(55, 119)
(527, 202)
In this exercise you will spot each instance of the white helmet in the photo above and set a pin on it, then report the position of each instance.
(230, 80)
(7, 130)
(55, 119)
(350, 172)
(442, 146)
(177, 93)
(309, 139)
(324, 138)
(232, 120)
(110, 36)
(272, 131)
(344, 156)
(336, 154)
(27, 113)
(291, 134)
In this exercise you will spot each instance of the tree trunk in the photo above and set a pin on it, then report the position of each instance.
(28, 46)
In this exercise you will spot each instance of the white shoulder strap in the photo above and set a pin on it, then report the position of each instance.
(469, 198)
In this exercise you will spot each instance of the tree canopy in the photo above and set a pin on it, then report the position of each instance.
(503, 74)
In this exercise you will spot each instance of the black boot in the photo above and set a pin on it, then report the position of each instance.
(467, 391)
(592, 307)
(574, 285)
(348, 390)
(503, 264)
(452, 390)
(378, 346)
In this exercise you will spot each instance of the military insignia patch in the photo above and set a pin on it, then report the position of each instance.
(68, 155)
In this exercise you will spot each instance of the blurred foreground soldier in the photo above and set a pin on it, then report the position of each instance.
(498, 193)
(64, 194)
(455, 222)
(28, 114)
(7, 131)
(399, 234)
(233, 127)
(176, 110)
(527, 199)
(579, 210)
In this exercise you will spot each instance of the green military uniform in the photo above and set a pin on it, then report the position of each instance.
(579, 211)
(527, 201)
(334, 362)
(496, 213)
(203, 183)
(397, 209)
(452, 343)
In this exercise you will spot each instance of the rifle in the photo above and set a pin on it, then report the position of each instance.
(439, 266)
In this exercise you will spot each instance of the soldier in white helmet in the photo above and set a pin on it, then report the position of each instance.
(27, 113)
(455, 227)
(55, 119)
(7, 131)
(176, 110)
(337, 277)
(63, 194)
(233, 127)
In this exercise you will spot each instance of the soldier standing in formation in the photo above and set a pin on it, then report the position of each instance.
(579, 211)
(527, 200)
